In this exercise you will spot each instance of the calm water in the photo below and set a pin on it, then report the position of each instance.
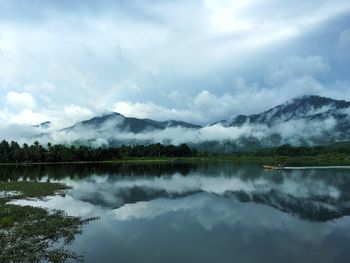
(219, 212)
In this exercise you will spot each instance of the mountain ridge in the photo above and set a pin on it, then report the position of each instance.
(292, 106)
(307, 120)
(130, 124)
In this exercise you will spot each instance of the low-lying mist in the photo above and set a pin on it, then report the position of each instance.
(307, 129)
(294, 132)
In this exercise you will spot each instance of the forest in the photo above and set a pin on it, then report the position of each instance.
(12, 152)
(297, 151)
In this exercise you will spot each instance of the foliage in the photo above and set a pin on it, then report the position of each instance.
(31, 234)
(292, 151)
(36, 153)
(14, 153)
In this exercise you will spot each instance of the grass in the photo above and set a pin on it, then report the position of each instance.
(31, 234)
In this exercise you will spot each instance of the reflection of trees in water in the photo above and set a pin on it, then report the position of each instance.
(313, 204)
(60, 171)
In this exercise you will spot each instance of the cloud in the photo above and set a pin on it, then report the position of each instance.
(77, 113)
(344, 38)
(295, 131)
(204, 108)
(151, 110)
(292, 77)
(296, 67)
(198, 61)
(344, 43)
(19, 100)
(140, 53)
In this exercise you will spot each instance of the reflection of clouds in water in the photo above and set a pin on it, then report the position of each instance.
(71, 206)
(8, 193)
(199, 212)
(210, 211)
(115, 191)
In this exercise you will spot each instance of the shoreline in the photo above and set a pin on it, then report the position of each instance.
(323, 160)
(33, 234)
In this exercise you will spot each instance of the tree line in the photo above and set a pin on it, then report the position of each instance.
(288, 150)
(12, 152)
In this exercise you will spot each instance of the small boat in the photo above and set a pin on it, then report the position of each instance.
(271, 167)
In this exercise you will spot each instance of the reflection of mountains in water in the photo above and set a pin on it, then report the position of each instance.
(314, 209)
(311, 206)
(321, 208)
(310, 195)
(132, 195)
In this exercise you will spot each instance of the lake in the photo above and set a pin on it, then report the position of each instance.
(201, 212)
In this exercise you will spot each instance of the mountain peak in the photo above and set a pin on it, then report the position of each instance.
(44, 125)
(304, 107)
(118, 122)
(307, 102)
(314, 100)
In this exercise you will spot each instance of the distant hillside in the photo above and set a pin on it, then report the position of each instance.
(307, 120)
(119, 122)
(44, 125)
(307, 108)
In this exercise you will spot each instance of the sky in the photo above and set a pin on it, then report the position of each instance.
(194, 60)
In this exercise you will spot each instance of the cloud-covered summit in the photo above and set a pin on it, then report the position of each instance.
(306, 120)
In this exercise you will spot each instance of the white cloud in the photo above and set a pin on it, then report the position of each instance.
(344, 43)
(28, 117)
(19, 100)
(296, 67)
(293, 77)
(146, 48)
(136, 58)
(43, 86)
(76, 113)
(344, 38)
(151, 110)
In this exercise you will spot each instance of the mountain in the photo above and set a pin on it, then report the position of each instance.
(306, 107)
(307, 120)
(118, 122)
(44, 125)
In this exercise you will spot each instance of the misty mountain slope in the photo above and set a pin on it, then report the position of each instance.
(308, 120)
(306, 107)
(119, 122)
(44, 125)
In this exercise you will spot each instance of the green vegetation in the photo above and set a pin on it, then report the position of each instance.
(30, 234)
(335, 154)
(290, 151)
(14, 153)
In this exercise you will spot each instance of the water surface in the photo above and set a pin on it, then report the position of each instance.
(202, 212)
